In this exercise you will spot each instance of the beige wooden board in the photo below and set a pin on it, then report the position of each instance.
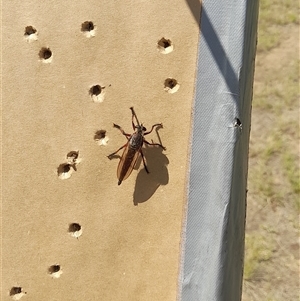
(126, 251)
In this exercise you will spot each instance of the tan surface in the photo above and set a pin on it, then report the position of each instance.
(126, 252)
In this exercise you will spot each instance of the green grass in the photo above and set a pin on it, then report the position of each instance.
(276, 158)
(279, 89)
(291, 167)
(274, 178)
(276, 97)
(259, 249)
(274, 14)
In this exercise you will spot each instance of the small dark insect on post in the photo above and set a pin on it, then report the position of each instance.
(133, 148)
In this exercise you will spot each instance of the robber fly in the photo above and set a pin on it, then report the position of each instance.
(133, 148)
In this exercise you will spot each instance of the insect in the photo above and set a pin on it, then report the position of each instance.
(133, 148)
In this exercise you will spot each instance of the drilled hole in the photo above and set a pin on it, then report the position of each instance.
(97, 93)
(171, 85)
(101, 138)
(16, 293)
(30, 33)
(64, 171)
(15, 290)
(88, 28)
(75, 230)
(100, 134)
(30, 30)
(96, 90)
(65, 167)
(165, 46)
(45, 54)
(73, 157)
(55, 270)
(74, 227)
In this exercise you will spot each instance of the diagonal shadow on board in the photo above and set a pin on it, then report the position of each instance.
(213, 42)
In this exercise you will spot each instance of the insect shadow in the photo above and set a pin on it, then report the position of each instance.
(147, 183)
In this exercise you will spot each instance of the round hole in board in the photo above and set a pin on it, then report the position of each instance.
(88, 28)
(74, 227)
(55, 270)
(165, 46)
(171, 85)
(29, 31)
(96, 90)
(64, 170)
(16, 292)
(97, 93)
(100, 137)
(75, 230)
(100, 134)
(73, 157)
(65, 167)
(45, 54)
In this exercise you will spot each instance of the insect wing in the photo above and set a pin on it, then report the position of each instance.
(127, 163)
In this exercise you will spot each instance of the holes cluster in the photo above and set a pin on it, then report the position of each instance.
(88, 28)
(65, 170)
(165, 46)
(96, 92)
(55, 270)
(45, 54)
(73, 157)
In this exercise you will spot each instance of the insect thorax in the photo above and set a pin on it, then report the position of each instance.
(136, 140)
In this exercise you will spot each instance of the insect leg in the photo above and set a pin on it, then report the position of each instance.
(146, 168)
(157, 144)
(153, 126)
(121, 130)
(111, 155)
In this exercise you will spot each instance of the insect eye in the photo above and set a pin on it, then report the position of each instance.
(144, 129)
